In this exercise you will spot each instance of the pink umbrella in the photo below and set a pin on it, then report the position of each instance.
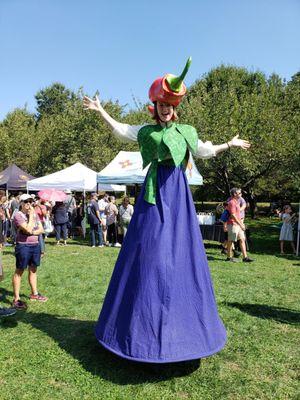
(52, 195)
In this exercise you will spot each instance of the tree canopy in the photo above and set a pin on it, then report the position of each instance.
(224, 102)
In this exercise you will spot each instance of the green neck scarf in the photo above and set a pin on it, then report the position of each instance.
(164, 145)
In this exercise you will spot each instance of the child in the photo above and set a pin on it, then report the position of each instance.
(286, 233)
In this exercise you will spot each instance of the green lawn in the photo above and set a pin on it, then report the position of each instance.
(49, 352)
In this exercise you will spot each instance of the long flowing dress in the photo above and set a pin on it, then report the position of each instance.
(160, 305)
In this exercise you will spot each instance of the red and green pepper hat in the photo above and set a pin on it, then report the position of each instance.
(169, 88)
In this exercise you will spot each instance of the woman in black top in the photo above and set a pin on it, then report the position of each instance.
(60, 221)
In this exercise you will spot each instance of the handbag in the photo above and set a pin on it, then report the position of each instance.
(48, 227)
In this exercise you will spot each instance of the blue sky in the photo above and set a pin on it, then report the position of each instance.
(120, 47)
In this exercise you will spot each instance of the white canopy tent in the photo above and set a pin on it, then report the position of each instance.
(127, 168)
(77, 177)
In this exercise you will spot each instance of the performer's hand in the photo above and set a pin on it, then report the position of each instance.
(236, 142)
(90, 104)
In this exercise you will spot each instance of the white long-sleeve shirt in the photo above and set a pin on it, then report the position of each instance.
(129, 133)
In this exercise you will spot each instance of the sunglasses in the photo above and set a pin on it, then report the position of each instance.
(27, 201)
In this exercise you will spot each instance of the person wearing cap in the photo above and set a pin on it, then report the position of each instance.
(70, 204)
(27, 251)
(94, 220)
(160, 305)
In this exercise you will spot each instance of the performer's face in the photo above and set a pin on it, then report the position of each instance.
(165, 111)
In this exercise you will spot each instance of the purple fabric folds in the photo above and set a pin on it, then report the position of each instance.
(160, 305)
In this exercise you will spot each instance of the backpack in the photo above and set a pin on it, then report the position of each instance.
(225, 216)
(89, 212)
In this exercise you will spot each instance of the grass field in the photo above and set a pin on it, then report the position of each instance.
(49, 351)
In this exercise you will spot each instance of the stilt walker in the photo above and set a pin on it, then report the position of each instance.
(160, 305)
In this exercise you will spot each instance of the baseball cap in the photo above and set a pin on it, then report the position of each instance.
(25, 196)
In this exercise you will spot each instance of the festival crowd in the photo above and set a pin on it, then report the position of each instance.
(27, 219)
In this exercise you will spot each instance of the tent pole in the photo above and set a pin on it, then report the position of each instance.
(84, 225)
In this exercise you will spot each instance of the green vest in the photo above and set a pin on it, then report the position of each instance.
(164, 145)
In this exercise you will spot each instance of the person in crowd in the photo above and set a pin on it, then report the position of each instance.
(79, 215)
(70, 203)
(286, 232)
(94, 220)
(243, 205)
(102, 203)
(13, 203)
(14, 208)
(4, 312)
(41, 213)
(224, 218)
(125, 214)
(236, 227)
(111, 212)
(60, 221)
(6, 222)
(27, 251)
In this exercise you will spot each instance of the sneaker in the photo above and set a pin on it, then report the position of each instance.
(117, 245)
(100, 245)
(7, 312)
(93, 246)
(19, 305)
(38, 297)
(247, 259)
(230, 259)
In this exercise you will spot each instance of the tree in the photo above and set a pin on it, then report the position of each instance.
(19, 143)
(53, 99)
(231, 100)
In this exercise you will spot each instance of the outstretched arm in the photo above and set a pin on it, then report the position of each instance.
(208, 150)
(122, 131)
(90, 104)
(234, 142)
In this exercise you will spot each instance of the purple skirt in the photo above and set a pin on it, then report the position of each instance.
(160, 305)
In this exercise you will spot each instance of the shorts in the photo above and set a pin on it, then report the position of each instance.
(103, 223)
(27, 255)
(235, 232)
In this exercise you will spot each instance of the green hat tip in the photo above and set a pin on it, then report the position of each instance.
(175, 82)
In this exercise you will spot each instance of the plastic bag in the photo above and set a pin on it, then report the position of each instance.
(48, 227)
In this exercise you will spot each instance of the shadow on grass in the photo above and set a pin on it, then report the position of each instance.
(292, 257)
(4, 293)
(77, 338)
(70, 242)
(280, 314)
